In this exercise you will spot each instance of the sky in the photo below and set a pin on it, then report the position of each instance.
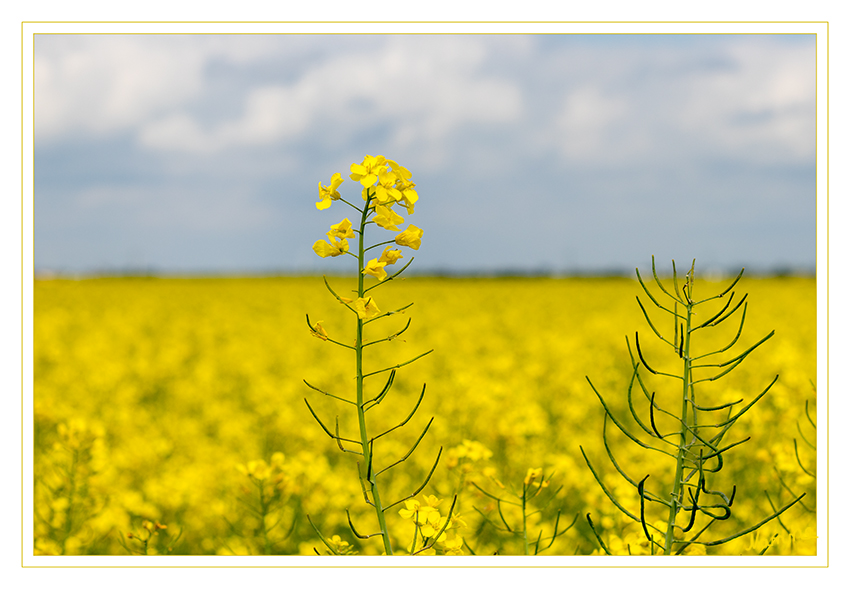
(550, 154)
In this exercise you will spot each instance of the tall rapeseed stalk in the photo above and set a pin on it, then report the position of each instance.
(689, 506)
(384, 184)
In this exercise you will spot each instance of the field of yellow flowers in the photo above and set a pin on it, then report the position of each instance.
(170, 416)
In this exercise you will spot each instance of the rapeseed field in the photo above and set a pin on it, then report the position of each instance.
(170, 417)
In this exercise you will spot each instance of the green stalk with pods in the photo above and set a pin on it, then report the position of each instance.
(532, 486)
(385, 184)
(804, 460)
(697, 447)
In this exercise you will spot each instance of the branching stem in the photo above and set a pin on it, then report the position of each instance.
(683, 430)
(366, 447)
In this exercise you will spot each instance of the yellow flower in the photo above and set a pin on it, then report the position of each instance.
(390, 256)
(340, 545)
(368, 171)
(400, 171)
(490, 473)
(411, 507)
(376, 268)
(319, 332)
(410, 237)
(387, 218)
(366, 308)
(427, 517)
(408, 195)
(256, 469)
(474, 450)
(337, 247)
(385, 191)
(532, 474)
(432, 524)
(329, 194)
(433, 501)
(341, 230)
(452, 543)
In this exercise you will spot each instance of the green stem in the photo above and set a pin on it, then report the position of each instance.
(72, 491)
(263, 513)
(524, 520)
(361, 414)
(680, 457)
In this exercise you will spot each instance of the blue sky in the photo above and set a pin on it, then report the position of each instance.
(535, 153)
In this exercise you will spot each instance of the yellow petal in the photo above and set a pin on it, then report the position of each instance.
(319, 331)
(366, 308)
(410, 237)
(376, 269)
(389, 256)
(327, 250)
(342, 229)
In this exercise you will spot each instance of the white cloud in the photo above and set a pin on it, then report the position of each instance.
(425, 91)
(760, 107)
(590, 124)
(484, 122)
(270, 114)
(106, 84)
(748, 98)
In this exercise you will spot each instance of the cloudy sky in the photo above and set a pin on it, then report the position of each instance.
(538, 153)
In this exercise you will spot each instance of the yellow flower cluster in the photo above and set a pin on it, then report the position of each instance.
(534, 478)
(385, 184)
(435, 529)
(466, 453)
(391, 182)
(340, 546)
(337, 243)
(260, 471)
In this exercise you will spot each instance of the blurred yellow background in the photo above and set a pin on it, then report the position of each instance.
(150, 394)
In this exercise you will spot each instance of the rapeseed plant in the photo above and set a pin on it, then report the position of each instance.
(384, 184)
(796, 532)
(143, 542)
(696, 442)
(265, 492)
(433, 533)
(66, 503)
(521, 502)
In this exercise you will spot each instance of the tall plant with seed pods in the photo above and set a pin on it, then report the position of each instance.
(676, 514)
(384, 185)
